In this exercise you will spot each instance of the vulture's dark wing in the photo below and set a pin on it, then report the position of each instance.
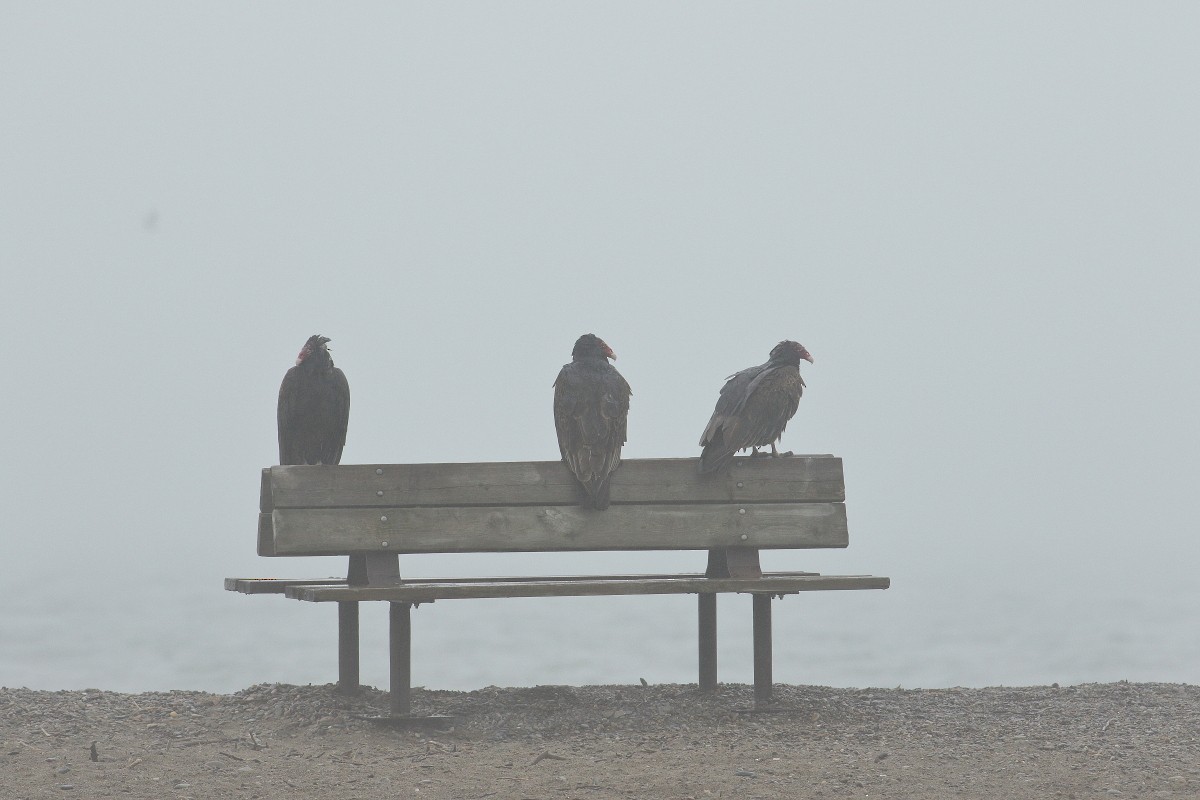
(769, 406)
(338, 419)
(591, 409)
(285, 415)
(312, 416)
(733, 396)
(754, 406)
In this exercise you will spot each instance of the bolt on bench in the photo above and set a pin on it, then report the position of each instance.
(373, 513)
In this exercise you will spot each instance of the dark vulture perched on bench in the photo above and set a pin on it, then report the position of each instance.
(591, 405)
(755, 406)
(314, 407)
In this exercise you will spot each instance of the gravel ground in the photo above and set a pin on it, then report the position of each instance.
(280, 741)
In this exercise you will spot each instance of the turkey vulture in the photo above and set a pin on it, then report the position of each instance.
(754, 407)
(591, 404)
(314, 405)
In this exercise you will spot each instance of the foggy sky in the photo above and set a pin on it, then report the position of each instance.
(982, 222)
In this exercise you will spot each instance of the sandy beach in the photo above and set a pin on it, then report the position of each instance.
(281, 741)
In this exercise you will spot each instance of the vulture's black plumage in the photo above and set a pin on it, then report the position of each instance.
(314, 406)
(591, 405)
(755, 406)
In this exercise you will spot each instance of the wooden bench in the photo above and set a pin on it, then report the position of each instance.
(373, 513)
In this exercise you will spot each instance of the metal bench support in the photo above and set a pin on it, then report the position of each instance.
(762, 647)
(365, 569)
(348, 647)
(708, 641)
(400, 637)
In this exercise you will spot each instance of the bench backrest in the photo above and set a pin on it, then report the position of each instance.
(657, 504)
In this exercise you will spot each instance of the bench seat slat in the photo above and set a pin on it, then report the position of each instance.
(424, 592)
(279, 585)
(274, 585)
(804, 478)
(478, 529)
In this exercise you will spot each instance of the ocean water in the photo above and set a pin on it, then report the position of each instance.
(158, 633)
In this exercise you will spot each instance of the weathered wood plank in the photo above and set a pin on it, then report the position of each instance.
(795, 479)
(310, 532)
(279, 585)
(266, 534)
(274, 585)
(265, 503)
(417, 592)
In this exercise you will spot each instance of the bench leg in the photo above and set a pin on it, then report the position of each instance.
(348, 647)
(708, 641)
(762, 647)
(400, 636)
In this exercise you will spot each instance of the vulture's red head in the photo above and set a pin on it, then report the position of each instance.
(315, 342)
(789, 352)
(592, 345)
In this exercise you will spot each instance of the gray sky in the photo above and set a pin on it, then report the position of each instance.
(981, 220)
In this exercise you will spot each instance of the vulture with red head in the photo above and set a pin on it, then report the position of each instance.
(591, 404)
(755, 406)
(314, 406)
